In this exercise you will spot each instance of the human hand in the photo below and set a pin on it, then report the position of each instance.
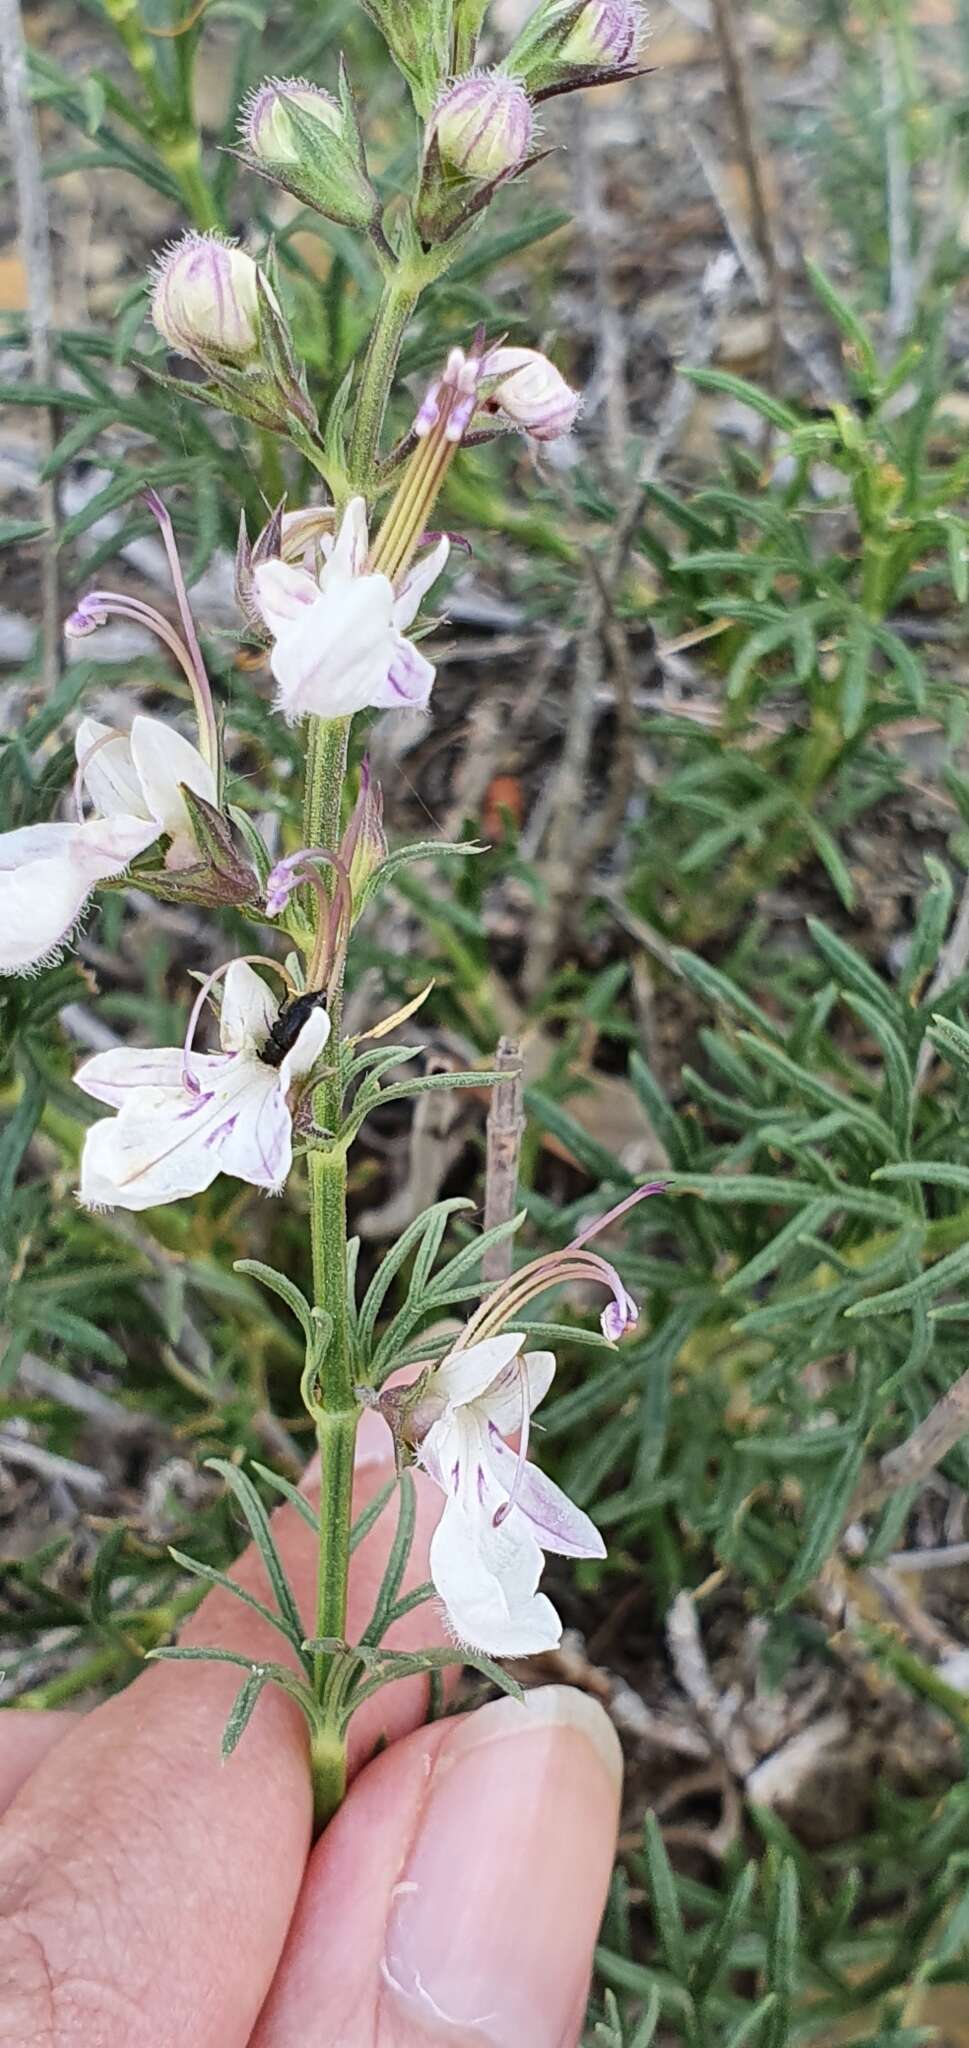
(152, 1897)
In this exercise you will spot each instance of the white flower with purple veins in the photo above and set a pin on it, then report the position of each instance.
(47, 872)
(340, 638)
(502, 1513)
(183, 1117)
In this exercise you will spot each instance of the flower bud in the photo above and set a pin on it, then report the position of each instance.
(267, 130)
(364, 844)
(483, 125)
(531, 392)
(309, 142)
(606, 33)
(571, 43)
(205, 301)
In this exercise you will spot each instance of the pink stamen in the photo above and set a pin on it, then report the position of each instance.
(201, 688)
(653, 1187)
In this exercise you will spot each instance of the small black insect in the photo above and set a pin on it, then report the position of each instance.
(288, 1025)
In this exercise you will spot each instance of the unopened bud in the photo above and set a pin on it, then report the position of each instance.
(364, 845)
(483, 125)
(531, 392)
(266, 127)
(567, 44)
(205, 301)
(606, 33)
(309, 142)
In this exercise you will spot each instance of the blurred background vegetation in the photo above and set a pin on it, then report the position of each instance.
(702, 691)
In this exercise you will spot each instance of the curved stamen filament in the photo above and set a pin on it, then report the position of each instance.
(501, 1514)
(552, 1269)
(250, 960)
(653, 1187)
(195, 668)
(84, 764)
(100, 605)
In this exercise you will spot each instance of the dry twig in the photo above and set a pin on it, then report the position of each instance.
(913, 1460)
(736, 77)
(35, 243)
(505, 1130)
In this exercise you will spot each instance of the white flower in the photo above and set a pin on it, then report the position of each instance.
(531, 392)
(502, 1513)
(47, 872)
(184, 1117)
(139, 776)
(340, 642)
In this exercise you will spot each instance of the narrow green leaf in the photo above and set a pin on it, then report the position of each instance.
(249, 1692)
(280, 1284)
(748, 394)
(397, 1562)
(664, 1902)
(828, 1514)
(262, 1536)
(213, 1577)
(291, 1493)
(955, 1266)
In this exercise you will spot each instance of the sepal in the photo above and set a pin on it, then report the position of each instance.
(447, 205)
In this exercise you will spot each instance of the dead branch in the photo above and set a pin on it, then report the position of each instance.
(35, 244)
(505, 1129)
(913, 1460)
(736, 78)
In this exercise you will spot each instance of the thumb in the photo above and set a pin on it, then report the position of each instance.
(457, 1894)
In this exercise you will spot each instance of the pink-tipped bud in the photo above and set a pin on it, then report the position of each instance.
(483, 125)
(531, 392)
(205, 301)
(619, 1315)
(266, 128)
(364, 845)
(607, 33)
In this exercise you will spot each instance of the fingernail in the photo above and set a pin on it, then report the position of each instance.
(497, 1908)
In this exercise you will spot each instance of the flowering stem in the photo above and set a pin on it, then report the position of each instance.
(400, 296)
(336, 1413)
(326, 767)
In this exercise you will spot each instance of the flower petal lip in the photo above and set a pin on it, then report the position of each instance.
(107, 771)
(556, 1523)
(464, 1376)
(409, 679)
(281, 592)
(163, 760)
(505, 1391)
(249, 1010)
(417, 582)
(112, 1076)
(336, 658)
(47, 873)
(165, 1143)
(489, 1590)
